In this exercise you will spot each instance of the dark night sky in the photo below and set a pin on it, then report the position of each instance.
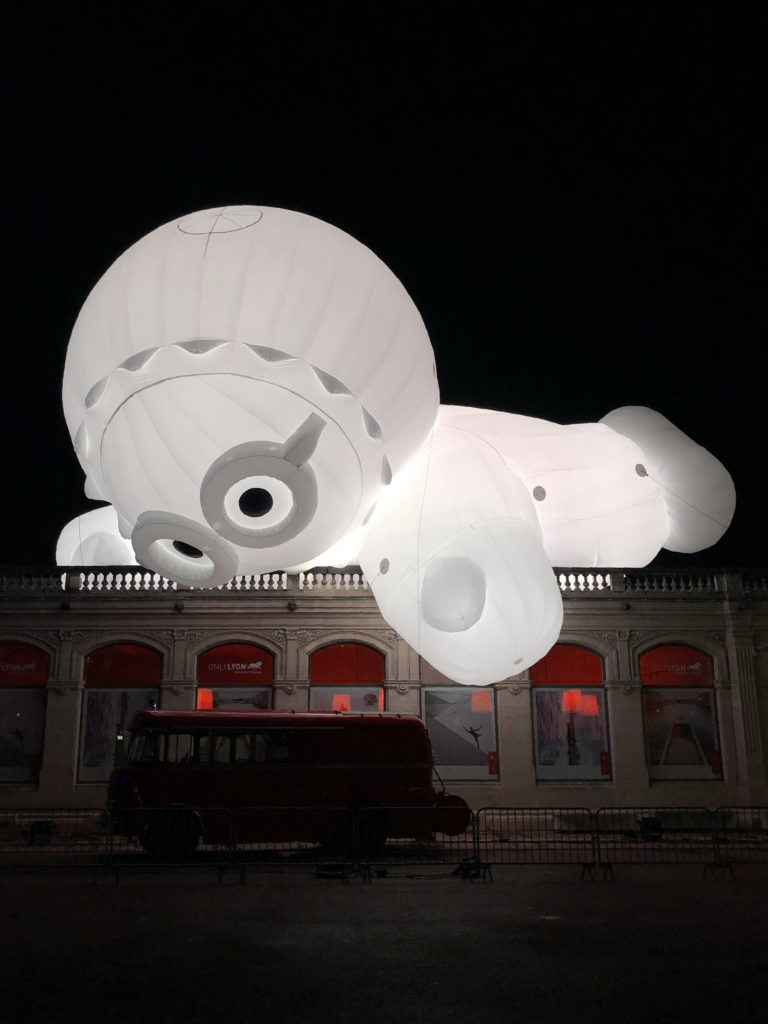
(574, 195)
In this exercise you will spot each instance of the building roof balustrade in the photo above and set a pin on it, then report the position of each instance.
(573, 582)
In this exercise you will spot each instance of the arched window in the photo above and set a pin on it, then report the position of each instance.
(569, 720)
(120, 679)
(235, 676)
(23, 674)
(346, 677)
(679, 714)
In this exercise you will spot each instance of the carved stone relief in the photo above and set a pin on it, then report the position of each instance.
(607, 636)
(639, 635)
(75, 636)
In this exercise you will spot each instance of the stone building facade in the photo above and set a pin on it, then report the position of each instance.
(656, 694)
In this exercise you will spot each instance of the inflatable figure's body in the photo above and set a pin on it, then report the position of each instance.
(253, 390)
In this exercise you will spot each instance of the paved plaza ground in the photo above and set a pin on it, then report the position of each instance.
(535, 945)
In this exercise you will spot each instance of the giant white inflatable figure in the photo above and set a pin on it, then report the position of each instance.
(251, 389)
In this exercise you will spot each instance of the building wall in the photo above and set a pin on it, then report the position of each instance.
(619, 616)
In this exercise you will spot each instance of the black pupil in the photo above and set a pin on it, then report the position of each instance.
(255, 502)
(187, 549)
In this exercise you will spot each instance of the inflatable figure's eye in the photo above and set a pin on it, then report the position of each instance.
(183, 550)
(255, 502)
(261, 494)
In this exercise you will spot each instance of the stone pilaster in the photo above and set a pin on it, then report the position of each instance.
(751, 786)
(58, 773)
(403, 698)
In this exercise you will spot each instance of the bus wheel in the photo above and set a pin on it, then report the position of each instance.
(171, 835)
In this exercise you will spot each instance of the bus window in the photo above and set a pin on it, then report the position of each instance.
(221, 745)
(276, 743)
(203, 748)
(144, 746)
(244, 748)
(179, 748)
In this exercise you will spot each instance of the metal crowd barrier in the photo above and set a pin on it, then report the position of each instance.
(171, 836)
(655, 835)
(533, 835)
(341, 842)
(391, 836)
(321, 837)
(741, 836)
(50, 838)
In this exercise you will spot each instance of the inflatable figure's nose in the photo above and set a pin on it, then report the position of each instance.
(261, 494)
(183, 550)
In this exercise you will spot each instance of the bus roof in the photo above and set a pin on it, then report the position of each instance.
(248, 719)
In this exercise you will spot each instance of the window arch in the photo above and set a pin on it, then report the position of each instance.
(679, 713)
(23, 673)
(122, 666)
(568, 665)
(235, 676)
(569, 716)
(346, 677)
(120, 679)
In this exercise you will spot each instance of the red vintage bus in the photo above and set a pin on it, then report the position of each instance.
(265, 776)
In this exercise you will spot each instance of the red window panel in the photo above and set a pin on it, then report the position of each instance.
(235, 665)
(21, 665)
(574, 702)
(675, 665)
(568, 665)
(346, 663)
(123, 666)
(482, 700)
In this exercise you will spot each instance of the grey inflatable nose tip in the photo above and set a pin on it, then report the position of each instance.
(183, 550)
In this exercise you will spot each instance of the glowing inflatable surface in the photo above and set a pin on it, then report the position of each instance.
(455, 559)
(252, 390)
(459, 553)
(240, 385)
(698, 491)
(94, 539)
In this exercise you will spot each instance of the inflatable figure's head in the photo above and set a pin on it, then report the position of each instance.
(240, 385)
